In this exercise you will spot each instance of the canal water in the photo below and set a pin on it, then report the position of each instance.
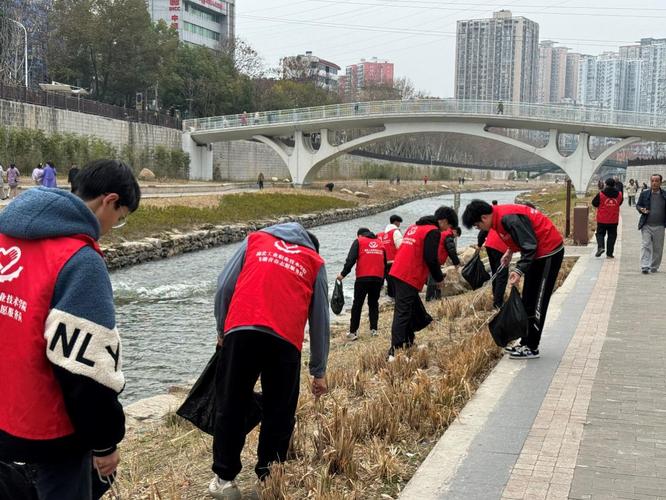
(165, 308)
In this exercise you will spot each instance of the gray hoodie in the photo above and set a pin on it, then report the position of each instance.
(319, 321)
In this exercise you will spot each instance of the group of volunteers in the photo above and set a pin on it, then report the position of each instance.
(61, 358)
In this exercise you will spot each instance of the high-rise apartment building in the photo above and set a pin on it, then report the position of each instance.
(552, 73)
(653, 75)
(367, 74)
(571, 85)
(609, 81)
(209, 23)
(497, 58)
(310, 67)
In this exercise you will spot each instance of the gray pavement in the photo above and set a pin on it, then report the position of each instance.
(585, 421)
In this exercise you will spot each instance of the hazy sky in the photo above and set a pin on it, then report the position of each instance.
(418, 36)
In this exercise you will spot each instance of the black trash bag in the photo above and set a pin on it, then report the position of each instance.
(338, 298)
(475, 272)
(420, 317)
(510, 323)
(200, 406)
(16, 482)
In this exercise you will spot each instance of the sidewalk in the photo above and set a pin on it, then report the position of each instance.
(585, 421)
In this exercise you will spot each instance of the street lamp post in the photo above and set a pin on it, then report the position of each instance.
(25, 48)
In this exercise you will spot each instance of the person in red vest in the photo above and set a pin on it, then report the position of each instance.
(392, 239)
(269, 289)
(495, 249)
(417, 257)
(526, 230)
(60, 357)
(367, 253)
(608, 204)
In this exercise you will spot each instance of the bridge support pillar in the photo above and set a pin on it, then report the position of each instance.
(201, 158)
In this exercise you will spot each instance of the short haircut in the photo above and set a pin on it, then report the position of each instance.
(661, 179)
(610, 182)
(395, 218)
(447, 213)
(458, 231)
(362, 230)
(473, 212)
(314, 240)
(494, 202)
(108, 176)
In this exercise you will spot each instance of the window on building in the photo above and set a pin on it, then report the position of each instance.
(201, 31)
(204, 14)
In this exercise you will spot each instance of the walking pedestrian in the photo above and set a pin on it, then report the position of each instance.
(49, 176)
(528, 231)
(632, 189)
(13, 179)
(417, 257)
(71, 175)
(446, 250)
(38, 174)
(495, 249)
(269, 289)
(367, 253)
(60, 366)
(243, 118)
(3, 195)
(619, 185)
(260, 180)
(500, 107)
(391, 238)
(257, 117)
(608, 204)
(651, 205)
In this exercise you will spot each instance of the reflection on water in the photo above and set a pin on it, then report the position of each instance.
(165, 308)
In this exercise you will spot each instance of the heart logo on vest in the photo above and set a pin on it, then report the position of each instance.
(373, 244)
(9, 259)
(285, 247)
(411, 231)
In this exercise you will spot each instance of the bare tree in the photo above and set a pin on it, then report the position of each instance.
(12, 62)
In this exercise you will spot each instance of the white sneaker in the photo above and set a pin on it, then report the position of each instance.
(223, 490)
(352, 336)
(391, 359)
(373, 333)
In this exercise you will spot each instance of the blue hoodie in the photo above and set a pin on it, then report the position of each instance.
(318, 319)
(82, 298)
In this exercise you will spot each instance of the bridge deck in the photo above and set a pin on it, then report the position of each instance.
(586, 420)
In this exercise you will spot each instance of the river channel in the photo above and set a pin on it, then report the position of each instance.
(165, 308)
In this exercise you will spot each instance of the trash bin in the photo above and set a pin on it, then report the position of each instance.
(580, 224)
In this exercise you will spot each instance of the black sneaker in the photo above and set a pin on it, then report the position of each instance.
(512, 348)
(645, 271)
(524, 352)
(608, 256)
(599, 252)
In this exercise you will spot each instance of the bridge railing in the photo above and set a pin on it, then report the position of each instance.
(424, 107)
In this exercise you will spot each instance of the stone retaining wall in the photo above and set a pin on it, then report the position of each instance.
(176, 243)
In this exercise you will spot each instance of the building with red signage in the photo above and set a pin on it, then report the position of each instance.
(199, 22)
(366, 74)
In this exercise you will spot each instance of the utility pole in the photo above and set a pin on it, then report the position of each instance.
(25, 47)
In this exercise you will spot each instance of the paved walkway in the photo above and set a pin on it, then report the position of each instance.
(585, 421)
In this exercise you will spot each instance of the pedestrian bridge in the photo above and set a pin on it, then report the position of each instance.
(388, 119)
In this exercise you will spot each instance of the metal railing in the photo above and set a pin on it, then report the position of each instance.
(385, 109)
(69, 103)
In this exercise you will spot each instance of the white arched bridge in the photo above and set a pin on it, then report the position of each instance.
(396, 118)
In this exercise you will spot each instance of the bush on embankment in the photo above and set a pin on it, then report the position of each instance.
(150, 220)
(28, 147)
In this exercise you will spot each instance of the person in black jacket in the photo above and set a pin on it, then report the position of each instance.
(434, 292)
(367, 285)
(650, 205)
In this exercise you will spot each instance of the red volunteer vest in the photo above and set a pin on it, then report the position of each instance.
(275, 287)
(547, 235)
(370, 262)
(609, 209)
(494, 241)
(442, 254)
(31, 401)
(409, 265)
(389, 244)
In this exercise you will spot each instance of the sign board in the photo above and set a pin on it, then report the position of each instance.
(216, 5)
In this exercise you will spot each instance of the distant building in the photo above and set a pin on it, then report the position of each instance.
(653, 75)
(310, 67)
(497, 58)
(367, 74)
(609, 81)
(209, 23)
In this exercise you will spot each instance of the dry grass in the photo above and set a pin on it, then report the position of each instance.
(364, 439)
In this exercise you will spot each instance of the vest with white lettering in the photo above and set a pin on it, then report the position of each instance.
(409, 265)
(442, 253)
(275, 287)
(547, 235)
(494, 241)
(31, 400)
(389, 244)
(609, 209)
(370, 261)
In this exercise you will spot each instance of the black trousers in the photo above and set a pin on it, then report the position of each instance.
(70, 478)
(247, 355)
(406, 302)
(632, 200)
(390, 281)
(433, 292)
(609, 245)
(537, 289)
(371, 289)
(501, 280)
